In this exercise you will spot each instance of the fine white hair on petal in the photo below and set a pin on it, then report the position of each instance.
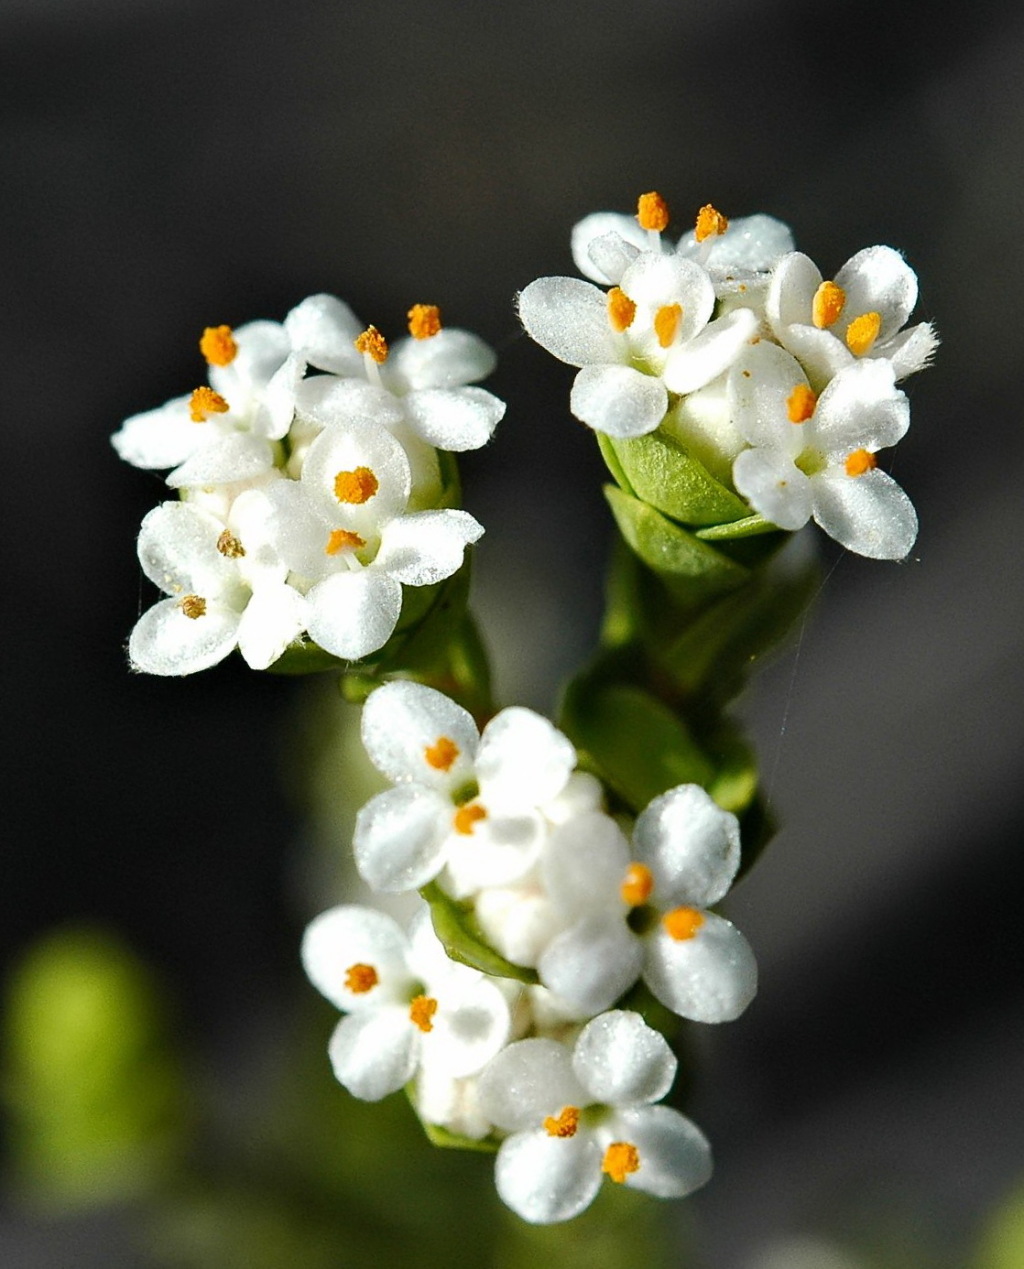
(167, 642)
(622, 1061)
(349, 448)
(674, 1155)
(869, 514)
(709, 977)
(861, 409)
(546, 1179)
(426, 546)
(569, 318)
(235, 457)
(791, 289)
(710, 352)
(618, 400)
(691, 846)
(401, 720)
(323, 330)
(159, 438)
(454, 419)
(449, 359)
(877, 279)
(470, 1027)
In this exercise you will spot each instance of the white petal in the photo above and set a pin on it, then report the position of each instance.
(160, 438)
(279, 398)
(545, 1179)
(751, 243)
(471, 1026)
(794, 281)
(675, 1158)
(400, 838)
(347, 447)
(911, 350)
(323, 330)
(860, 409)
(426, 546)
(710, 977)
(448, 359)
(570, 319)
(328, 400)
(166, 642)
(585, 862)
(604, 243)
(523, 759)
(225, 461)
(354, 614)
(402, 720)
(869, 514)
(582, 792)
(177, 549)
(710, 353)
(262, 349)
(691, 846)
(655, 279)
(517, 921)
(818, 351)
(760, 384)
(527, 1082)
(450, 1103)
(877, 280)
(621, 1061)
(375, 1052)
(274, 616)
(773, 486)
(500, 849)
(349, 935)
(618, 400)
(454, 419)
(594, 963)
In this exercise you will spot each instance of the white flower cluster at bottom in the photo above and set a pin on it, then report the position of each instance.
(514, 841)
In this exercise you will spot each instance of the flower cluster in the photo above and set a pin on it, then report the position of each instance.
(782, 382)
(307, 501)
(561, 915)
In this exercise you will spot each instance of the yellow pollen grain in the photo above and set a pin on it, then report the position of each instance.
(193, 606)
(204, 402)
(467, 817)
(421, 1012)
(860, 461)
(800, 403)
(682, 923)
(441, 754)
(229, 546)
(637, 885)
(827, 304)
(343, 540)
(218, 345)
(652, 211)
(356, 486)
(373, 344)
(620, 1159)
(360, 978)
(563, 1124)
(710, 223)
(424, 321)
(666, 323)
(621, 309)
(862, 333)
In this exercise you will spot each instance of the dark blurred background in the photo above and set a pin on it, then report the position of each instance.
(169, 164)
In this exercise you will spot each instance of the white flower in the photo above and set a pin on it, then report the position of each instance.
(640, 909)
(227, 587)
(344, 529)
(463, 803)
(650, 336)
(814, 456)
(829, 325)
(409, 1007)
(575, 1118)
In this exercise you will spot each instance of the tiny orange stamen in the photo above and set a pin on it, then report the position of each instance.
(361, 978)
(637, 885)
(827, 304)
(421, 1012)
(860, 461)
(800, 403)
(466, 817)
(356, 487)
(862, 333)
(441, 754)
(621, 309)
(652, 211)
(193, 606)
(666, 323)
(620, 1159)
(229, 546)
(204, 402)
(373, 344)
(710, 223)
(424, 321)
(563, 1124)
(682, 923)
(343, 540)
(218, 345)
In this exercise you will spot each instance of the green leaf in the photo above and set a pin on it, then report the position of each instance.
(611, 460)
(661, 471)
(455, 925)
(748, 527)
(439, 1136)
(735, 781)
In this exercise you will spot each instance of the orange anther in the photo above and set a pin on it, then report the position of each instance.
(800, 403)
(468, 816)
(710, 223)
(620, 1159)
(373, 344)
(666, 323)
(563, 1124)
(424, 321)
(193, 606)
(862, 333)
(652, 212)
(860, 461)
(360, 979)
(343, 540)
(441, 754)
(621, 309)
(356, 487)
(637, 885)
(229, 546)
(204, 402)
(218, 345)
(421, 1012)
(682, 923)
(827, 304)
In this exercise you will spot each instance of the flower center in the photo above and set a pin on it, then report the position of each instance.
(424, 321)
(564, 1124)
(710, 223)
(860, 461)
(360, 978)
(421, 1012)
(621, 309)
(800, 403)
(371, 343)
(229, 546)
(356, 486)
(441, 754)
(637, 885)
(652, 212)
(218, 345)
(467, 817)
(666, 323)
(827, 304)
(193, 606)
(682, 923)
(343, 540)
(620, 1159)
(862, 333)
(204, 402)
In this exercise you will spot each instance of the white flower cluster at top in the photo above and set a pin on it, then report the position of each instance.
(504, 831)
(306, 501)
(782, 382)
